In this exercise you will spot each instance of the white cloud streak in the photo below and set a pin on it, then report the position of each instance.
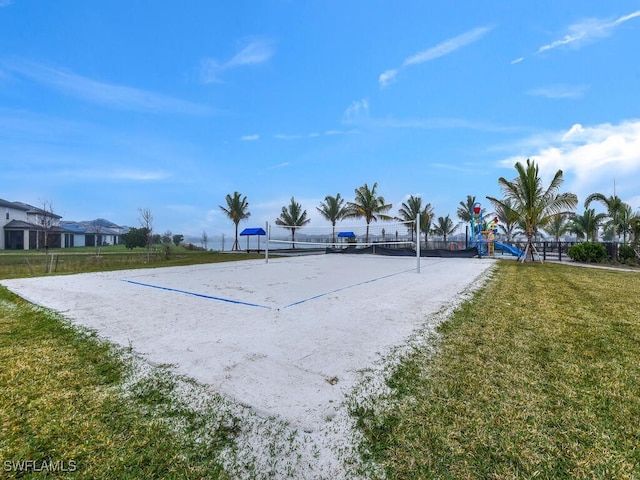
(115, 175)
(256, 52)
(283, 136)
(279, 165)
(357, 114)
(119, 97)
(447, 46)
(580, 34)
(556, 92)
(250, 138)
(440, 50)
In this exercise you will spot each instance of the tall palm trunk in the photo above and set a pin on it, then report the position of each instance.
(236, 244)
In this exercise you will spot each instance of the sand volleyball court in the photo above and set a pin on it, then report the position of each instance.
(287, 338)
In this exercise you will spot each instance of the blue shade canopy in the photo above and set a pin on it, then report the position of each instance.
(346, 234)
(253, 231)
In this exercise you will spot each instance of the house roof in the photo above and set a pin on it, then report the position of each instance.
(16, 205)
(98, 226)
(346, 234)
(22, 225)
(99, 222)
(36, 210)
(72, 227)
(25, 207)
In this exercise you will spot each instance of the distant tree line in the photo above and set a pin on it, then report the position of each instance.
(528, 208)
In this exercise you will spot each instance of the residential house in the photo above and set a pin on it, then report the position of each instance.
(91, 233)
(25, 227)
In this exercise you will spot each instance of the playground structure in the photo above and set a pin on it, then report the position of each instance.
(483, 235)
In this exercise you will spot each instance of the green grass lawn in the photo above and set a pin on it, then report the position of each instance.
(537, 377)
(61, 408)
(17, 264)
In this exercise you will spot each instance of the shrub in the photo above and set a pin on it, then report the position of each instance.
(588, 252)
(626, 253)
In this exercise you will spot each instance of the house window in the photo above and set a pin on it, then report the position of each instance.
(7, 214)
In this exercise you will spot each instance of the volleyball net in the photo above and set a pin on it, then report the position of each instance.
(399, 238)
(390, 234)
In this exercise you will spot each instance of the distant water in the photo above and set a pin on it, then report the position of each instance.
(225, 244)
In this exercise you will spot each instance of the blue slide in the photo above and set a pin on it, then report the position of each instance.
(516, 252)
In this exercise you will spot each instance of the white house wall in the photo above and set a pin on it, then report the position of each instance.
(8, 215)
(78, 240)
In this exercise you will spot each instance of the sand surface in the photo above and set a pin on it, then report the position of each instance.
(287, 337)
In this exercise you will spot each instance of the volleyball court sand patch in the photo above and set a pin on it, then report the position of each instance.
(287, 337)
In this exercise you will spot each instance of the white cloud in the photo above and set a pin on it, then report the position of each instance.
(448, 46)
(575, 130)
(327, 133)
(279, 165)
(517, 60)
(591, 157)
(110, 95)
(560, 91)
(283, 136)
(440, 50)
(357, 109)
(116, 174)
(256, 52)
(358, 114)
(588, 31)
(250, 138)
(387, 77)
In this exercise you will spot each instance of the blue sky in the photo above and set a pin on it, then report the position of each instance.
(109, 107)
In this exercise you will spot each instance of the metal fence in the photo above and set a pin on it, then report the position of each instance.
(548, 250)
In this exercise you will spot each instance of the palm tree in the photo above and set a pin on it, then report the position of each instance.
(369, 205)
(334, 210)
(557, 226)
(409, 212)
(635, 228)
(465, 210)
(236, 210)
(426, 217)
(613, 205)
(293, 217)
(625, 220)
(586, 225)
(444, 227)
(508, 219)
(534, 205)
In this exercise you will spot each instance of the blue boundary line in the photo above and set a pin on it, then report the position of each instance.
(347, 287)
(201, 295)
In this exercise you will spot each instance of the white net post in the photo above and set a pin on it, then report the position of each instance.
(418, 242)
(266, 248)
